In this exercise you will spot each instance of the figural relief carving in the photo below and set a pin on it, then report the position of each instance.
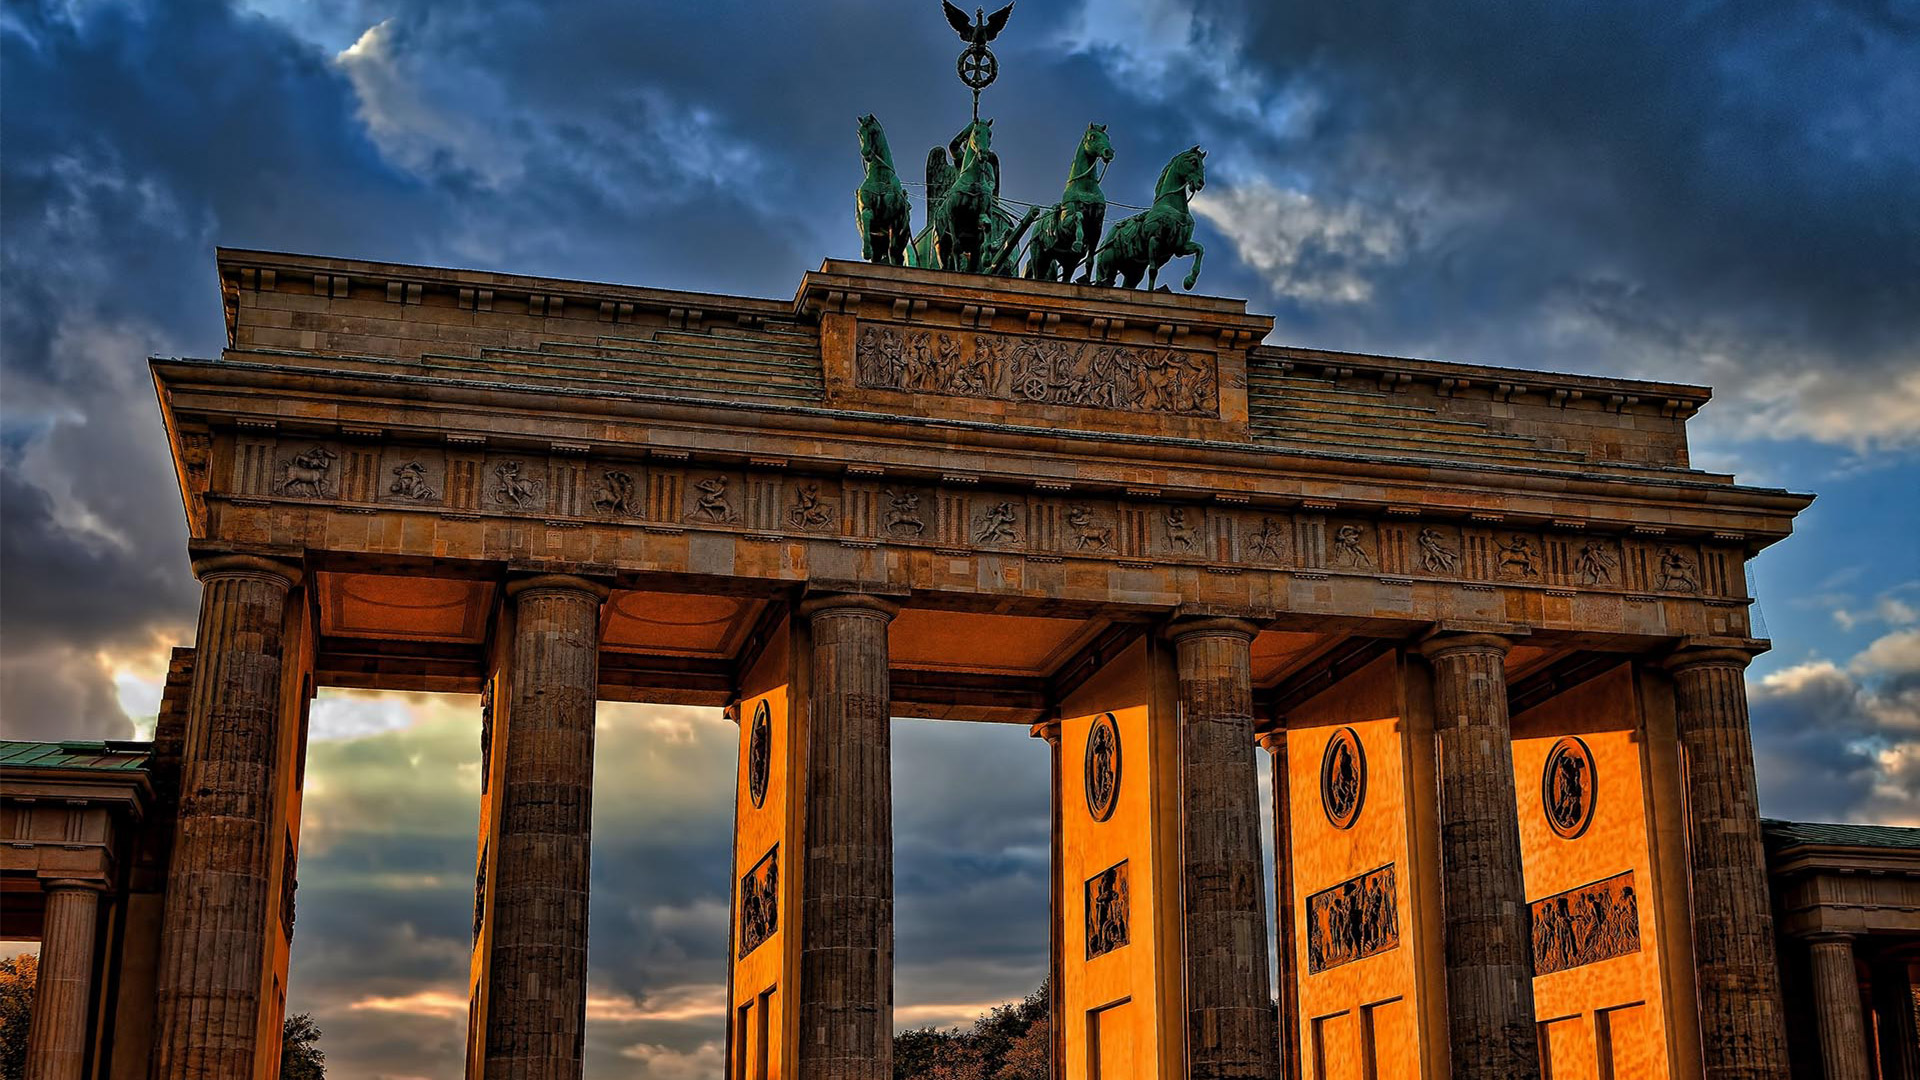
(307, 473)
(410, 482)
(1343, 778)
(486, 735)
(1269, 542)
(521, 492)
(1087, 534)
(1435, 556)
(1179, 533)
(1677, 572)
(903, 514)
(759, 753)
(1518, 559)
(996, 527)
(480, 889)
(713, 504)
(1358, 918)
(1596, 563)
(1348, 549)
(617, 492)
(1567, 787)
(1103, 767)
(1107, 910)
(1042, 371)
(807, 511)
(760, 902)
(1594, 922)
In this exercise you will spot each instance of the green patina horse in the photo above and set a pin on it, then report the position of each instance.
(1068, 234)
(880, 203)
(963, 210)
(1144, 242)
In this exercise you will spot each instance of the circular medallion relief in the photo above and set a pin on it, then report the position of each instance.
(1567, 786)
(759, 753)
(1103, 767)
(1343, 778)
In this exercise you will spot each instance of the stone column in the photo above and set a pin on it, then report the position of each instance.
(537, 969)
(57, 1037)
(1489, 949)
(214, 938)
(1230, 1029)
(1836, 1006)
(846, 903)
(1056, 910)
(1742, 1019)
(1275, 743)
(1896, 1005)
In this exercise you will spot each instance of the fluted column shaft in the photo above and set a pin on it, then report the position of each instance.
(1275, 743)
(1056, 909)
(1230, 1032)
(57, 1037)
(1836, 1007)
(1742, 1019)
(1488, 945)
(214, 938)
(537, 967)
(846, 905)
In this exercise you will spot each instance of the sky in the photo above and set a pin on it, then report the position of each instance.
(1717, 193)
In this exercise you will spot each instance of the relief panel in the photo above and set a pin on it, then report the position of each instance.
(1358, 918)
(1107, 910)
(760, 902)
(1586, 925)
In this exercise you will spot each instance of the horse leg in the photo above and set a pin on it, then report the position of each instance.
(1153, 265)
(1194, 249)
(865, 218)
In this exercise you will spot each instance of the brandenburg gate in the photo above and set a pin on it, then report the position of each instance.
(1486, 627)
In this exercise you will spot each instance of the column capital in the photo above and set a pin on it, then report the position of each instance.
(1691, 656)
(519, 586)
(1441, 643)
(1273, 740)
(849, 604)
(1048, 730)
(59, 884)
(1829, 937)
(218, 566)
(1187, 626)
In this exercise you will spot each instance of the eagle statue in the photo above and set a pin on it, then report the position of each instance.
(980, 29)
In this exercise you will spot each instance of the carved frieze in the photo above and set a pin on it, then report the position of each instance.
(515, 483)
(1343, 778)
(1103, 767)
(1595, 922)
(617, 492)
(760, 902)
(1568, 786)
(308, 473)
(1040, 371)
(1358, 918)
(1107, 911)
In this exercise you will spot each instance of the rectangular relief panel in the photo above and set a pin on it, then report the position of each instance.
(1119, 875)
(1350, 815)
(1593, 884)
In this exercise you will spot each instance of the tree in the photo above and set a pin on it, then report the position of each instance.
(17, 976)
(1012, 1042)
(300, 1055)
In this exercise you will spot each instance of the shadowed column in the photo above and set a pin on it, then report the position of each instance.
(1056, 911)
(1230, 1029)
(1489, 949)
(57, 1036)
(1742, 1019)
(537, 970)
(1275, 743)
(1836, 1007)
(846, 903)
(213, 945)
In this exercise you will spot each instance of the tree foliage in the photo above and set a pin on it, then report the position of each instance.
(300, 1056)
(17, 976)
(1010, 1043)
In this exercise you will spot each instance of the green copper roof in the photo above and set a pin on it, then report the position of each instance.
(113, 755)
(1781, 834)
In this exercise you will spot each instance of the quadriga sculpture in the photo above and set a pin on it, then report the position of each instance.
(881, 206)
(1066, 237)
(1144, 242)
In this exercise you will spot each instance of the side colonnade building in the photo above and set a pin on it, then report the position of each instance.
(1484, 628)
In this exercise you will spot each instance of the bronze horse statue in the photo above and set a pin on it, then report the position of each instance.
(1144, 242)
(880, 203)
(977, 216)
(1071, 232)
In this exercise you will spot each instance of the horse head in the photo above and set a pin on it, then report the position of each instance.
(1186, 173)
(1094, 143)
(979, 141)
(873, 140)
